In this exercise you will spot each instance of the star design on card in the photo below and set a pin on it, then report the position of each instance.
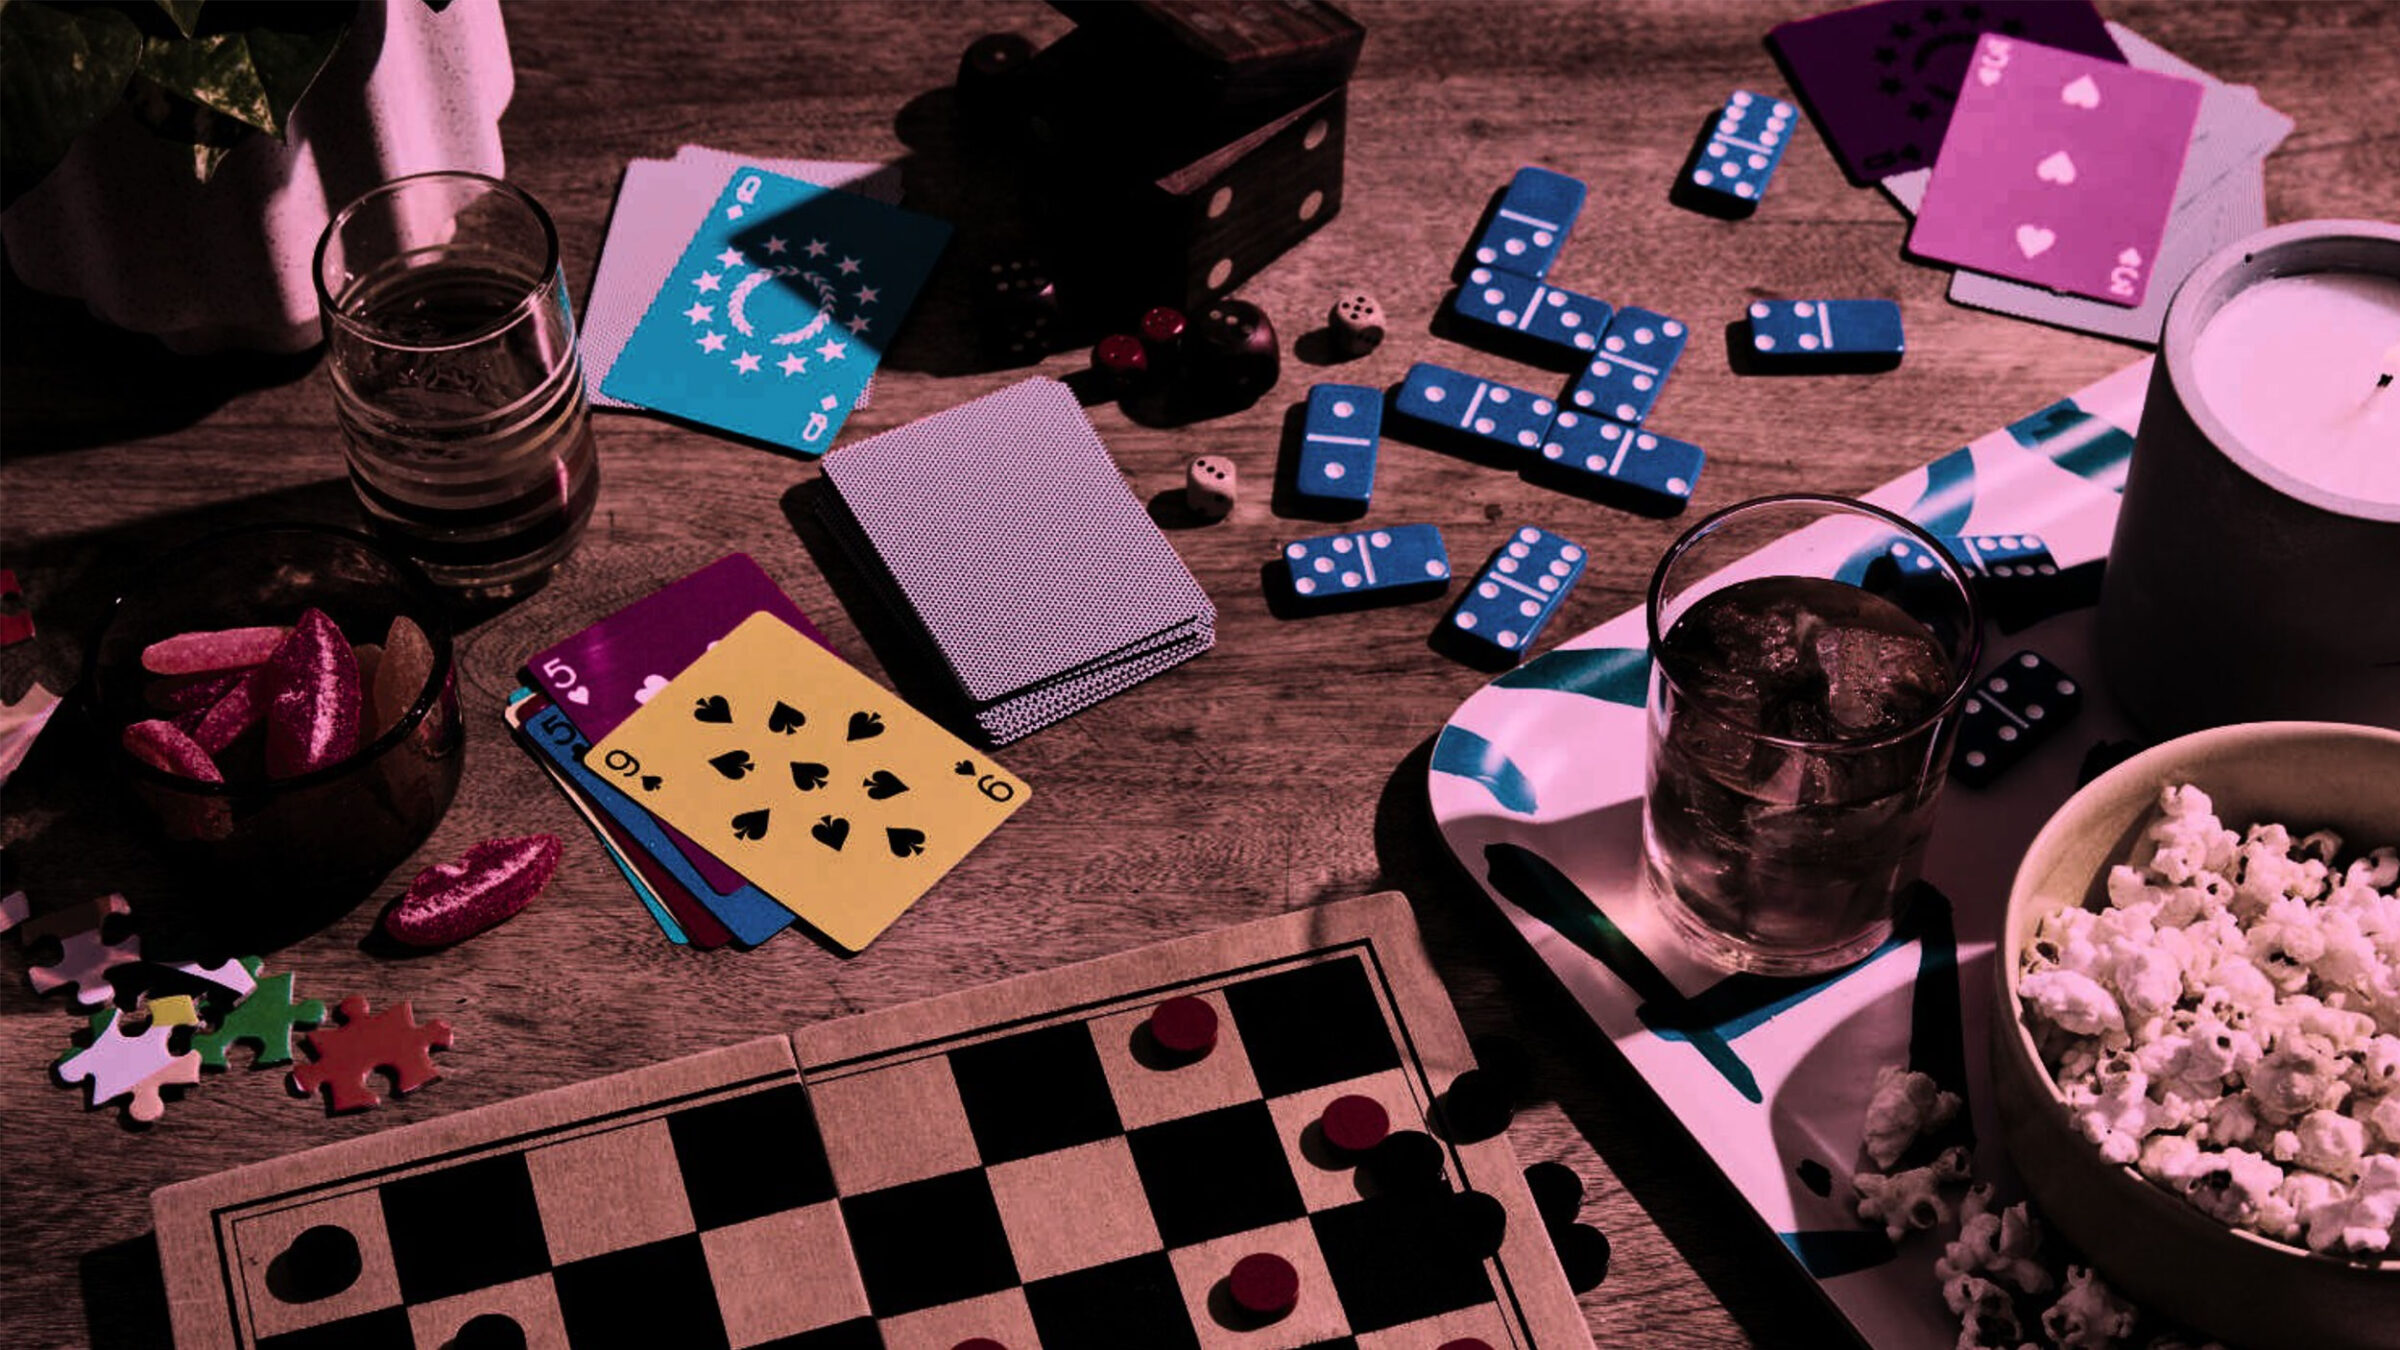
(783, 292)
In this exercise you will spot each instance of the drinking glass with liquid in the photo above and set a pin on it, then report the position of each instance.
(1800, 727)
(457, 379)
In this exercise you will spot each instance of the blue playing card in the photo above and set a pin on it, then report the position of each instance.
(779, 310)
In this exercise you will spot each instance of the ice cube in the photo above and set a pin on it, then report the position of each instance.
(1877, 681)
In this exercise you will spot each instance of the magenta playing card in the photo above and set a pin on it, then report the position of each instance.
(601, 675)
(2058, 170)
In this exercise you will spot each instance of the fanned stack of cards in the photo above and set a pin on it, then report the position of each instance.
(2082, 170)
(1006, 533)
(751, 295)
(741, 775)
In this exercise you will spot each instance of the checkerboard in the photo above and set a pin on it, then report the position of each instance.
(1019, 1162)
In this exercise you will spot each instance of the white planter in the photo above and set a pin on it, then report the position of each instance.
(122, 225)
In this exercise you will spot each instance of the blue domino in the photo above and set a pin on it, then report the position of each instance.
(1636, 355)
(1743, 149)
(1804, 332)
(1638, 467)
(1337, 444)
(1391, 562)
(1998, 556)
(1451, 401)
(1518, 590)
(1531, 222)
(1519, 310)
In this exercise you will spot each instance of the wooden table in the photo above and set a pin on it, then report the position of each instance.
(1285, 768)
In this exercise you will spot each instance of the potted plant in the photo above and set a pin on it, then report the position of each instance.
(172, 162)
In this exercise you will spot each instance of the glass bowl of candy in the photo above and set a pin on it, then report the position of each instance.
(2196, 1038)
(281, 703)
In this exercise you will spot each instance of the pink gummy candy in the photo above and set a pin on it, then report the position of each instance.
(223, 722)
(190, 693)
(224, 649)
(311, 692)
(449, 902)
(163, 746)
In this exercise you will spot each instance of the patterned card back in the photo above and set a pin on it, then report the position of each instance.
(1015, 538)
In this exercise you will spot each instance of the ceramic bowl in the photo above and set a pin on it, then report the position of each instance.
(2149, 1244)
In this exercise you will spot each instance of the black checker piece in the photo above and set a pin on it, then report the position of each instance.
(1035, 1092)
(1312, 1026)
(1124, 1304)
(465, 1227)
(1215, 1173)
(716, 1149)
(858, 1333)
(383, 1329)
(1396, 1259)
(933, 1241)
(656, 1294)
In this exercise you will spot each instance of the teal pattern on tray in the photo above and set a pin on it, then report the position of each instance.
(2089, 447)
(1464, 754)
(1827, 1252)
(1610, 674)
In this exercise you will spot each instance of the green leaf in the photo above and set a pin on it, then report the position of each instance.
(185, 13)
(61, 70)
(254, 75)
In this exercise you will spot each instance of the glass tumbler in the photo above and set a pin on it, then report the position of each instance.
(1810, 657)
(457, 380)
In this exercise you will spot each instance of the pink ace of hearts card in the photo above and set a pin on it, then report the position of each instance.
(2058, 169)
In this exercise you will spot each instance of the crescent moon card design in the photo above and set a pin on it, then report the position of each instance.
(777, 313)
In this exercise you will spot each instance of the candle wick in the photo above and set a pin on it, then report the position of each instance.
(2384, 381)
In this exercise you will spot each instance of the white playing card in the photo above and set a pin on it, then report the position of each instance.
(659, 206)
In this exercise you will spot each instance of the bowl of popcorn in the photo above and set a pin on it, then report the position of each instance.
(2197, 1044)
(281, 703)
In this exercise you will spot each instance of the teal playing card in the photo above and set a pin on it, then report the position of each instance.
(779, 310)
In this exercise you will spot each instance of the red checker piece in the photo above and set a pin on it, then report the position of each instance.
(979, 1343)
(1186, 1026)
(1467, 1343)
(1120, 355)
(1354, 1123)
(1162, 327)
(1265, 1283)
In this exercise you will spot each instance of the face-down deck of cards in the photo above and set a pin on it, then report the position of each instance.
(741, 774)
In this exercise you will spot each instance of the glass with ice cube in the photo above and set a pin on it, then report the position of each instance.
(1800, 727)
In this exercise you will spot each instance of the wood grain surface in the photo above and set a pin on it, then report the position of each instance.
(1285, 768)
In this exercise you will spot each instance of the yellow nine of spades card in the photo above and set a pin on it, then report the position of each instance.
(818, 784)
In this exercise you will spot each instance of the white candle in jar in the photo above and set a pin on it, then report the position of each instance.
(2304, 371)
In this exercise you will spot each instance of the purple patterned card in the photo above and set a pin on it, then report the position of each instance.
(1880, 80)
(2059, 170)
(601, 675)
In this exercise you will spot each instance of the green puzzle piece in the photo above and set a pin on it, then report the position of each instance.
(265, 1019)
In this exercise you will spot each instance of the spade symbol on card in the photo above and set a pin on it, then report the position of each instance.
(786, 719)
(733, 763)
(831, 831)
(809, 777)
(966, 766)
(906, 843)
(864, 725)
(884, 784)
(652, 782)
(751, 824)
(713, 708)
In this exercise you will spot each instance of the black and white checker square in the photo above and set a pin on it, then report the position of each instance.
(1034, 1092)
(1077, 1207)
(1316, 1024)
(751, 1155)
(1215, 1173)
(1133, 1302)
(929, 1242)
(896, 1123)
(1150, 1084)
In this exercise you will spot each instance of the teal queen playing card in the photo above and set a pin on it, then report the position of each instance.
(779, 310)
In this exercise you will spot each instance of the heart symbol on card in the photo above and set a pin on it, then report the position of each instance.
(714, 708)
(786, 719)
(751, 824)
(864, 725)
(652, 782)
(2081, 92)
(733, 763)
(2058, 168)
(1987, 75)
(831, 831)
(809, 777)
(884, 784)
(2034, 241)
(651, 684)
(905, 843)
(2131, 257)
(579, 696)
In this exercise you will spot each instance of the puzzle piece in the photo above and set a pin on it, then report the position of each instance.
(16, 625)
(237, 977)
(265, 1019)
(14, 910)
(85, 957)
(175, 1010)
(135, 1067)
(347, 1054)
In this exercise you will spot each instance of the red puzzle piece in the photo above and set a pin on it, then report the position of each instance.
(345, 1056)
